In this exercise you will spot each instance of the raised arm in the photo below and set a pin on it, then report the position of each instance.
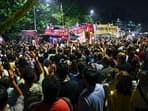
(14, 84)
(38, 64)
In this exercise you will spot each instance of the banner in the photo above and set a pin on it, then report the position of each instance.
(57, 32)
(77, 30)
(106, 29)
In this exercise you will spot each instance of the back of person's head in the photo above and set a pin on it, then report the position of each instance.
(135, 62)
(22, 62)
(74, 67)
(124, 84)
(99, 56)
(62, 70)
(143, 78)
(121, 57)
(106, 60)
(90, 75)
(11, 57)
(109, 51)
(3, 97)
(4, 81)
(51, 88)
(28, 74)
(81, 66)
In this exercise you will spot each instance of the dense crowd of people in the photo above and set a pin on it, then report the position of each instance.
(111, 74)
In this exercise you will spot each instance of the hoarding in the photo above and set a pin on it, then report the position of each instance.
(106, 29)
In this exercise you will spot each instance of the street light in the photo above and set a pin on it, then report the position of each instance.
(92, 14)
(48, 1)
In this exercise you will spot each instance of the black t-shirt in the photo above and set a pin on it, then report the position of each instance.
(71, 90)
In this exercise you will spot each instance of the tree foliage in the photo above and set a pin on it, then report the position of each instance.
(73, 13)
(24, 14)
(14, 16)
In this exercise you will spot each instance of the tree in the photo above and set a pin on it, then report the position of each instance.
(73, 13)
(26, 14)
(11, 19)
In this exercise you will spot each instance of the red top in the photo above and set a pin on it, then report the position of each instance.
(59, 105)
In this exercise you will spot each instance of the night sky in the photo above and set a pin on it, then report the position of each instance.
(110, 10)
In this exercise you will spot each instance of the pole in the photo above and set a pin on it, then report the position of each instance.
(91, 15)
(34, 18)
(62, 13)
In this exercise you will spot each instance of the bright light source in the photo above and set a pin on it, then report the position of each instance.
(48, 1)
(91, 12)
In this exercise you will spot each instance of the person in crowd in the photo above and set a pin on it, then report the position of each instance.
(52, 65)
(3, 72)
(111, 57)
(118, 99)
(31, 82)
(51, 102)
(122, 64)
(145, 64)
(69, 88)
(19, 105)
(133, 60)
(139, 99)
(107, 67)
(92, 97)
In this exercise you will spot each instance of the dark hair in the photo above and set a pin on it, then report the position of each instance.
(3, 97)
(6, 65)
(31, 47)
(62, 70)
(121, 57)
(106, 60)
(143, 78)
(124, 85)
(109, 51)
(99, 56)
(81, 67)
(4, 81)
(90, 75)
(51, 88)
(11, 57)
(74, 67)
(28, 74)
(22, 62)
